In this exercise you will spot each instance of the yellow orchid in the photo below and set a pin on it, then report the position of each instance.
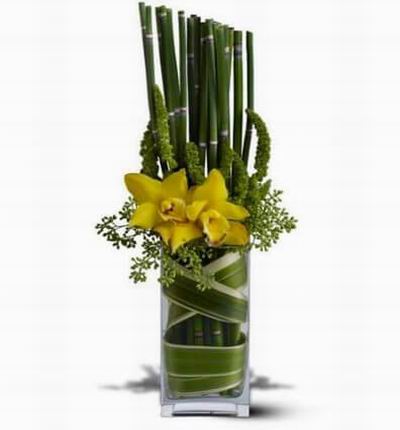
(162, 207)
(208, 205)
(180, 215)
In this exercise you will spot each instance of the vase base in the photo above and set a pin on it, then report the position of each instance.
(205, 408)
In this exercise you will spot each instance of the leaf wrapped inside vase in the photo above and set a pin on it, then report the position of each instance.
(212, 359)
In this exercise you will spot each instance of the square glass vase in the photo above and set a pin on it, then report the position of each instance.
(205, 340)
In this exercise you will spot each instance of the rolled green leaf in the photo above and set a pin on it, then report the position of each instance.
(211, 357)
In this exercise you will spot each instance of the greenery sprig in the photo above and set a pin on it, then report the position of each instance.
(193, 166)
(263, 151)
(148, 154)
(166, 149)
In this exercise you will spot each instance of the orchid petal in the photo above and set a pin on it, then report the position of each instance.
(165, 230)
(175, 185)
(183, 233)
(143, 188)
(145, 216)
(237, 234)
(213, 189)
(193, 210)
(215, 226)
(230, 210)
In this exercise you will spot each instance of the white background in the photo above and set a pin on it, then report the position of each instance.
(325, 302)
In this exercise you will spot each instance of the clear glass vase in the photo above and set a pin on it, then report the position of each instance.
(204, 341)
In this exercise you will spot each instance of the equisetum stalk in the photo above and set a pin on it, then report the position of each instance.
(238, 94)
(191, 74)
(203, 121)
(147, 35)
(212, 97)
(189, 331)
(170, 85)
(217, 335)
(198, 330)
(207, 330)
(183, 85)
(250, 96)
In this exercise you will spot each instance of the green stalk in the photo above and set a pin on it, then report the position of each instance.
(250, 96)
(198, 330)
(149, 63)
(223, 91)
(212, 160)
(231, 333)
(207, 330)
(238, 94)
(191, 73)
(189, 331)
(229, 50)
(183, 84)
(171, 87)
(217, 335)
(147, 36)
(203, 113)
(173, 63)
(159, 12)
(197, 54)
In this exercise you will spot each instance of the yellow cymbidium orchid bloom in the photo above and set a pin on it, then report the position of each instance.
(213, 194)
(158, 201)
(209, 205)
(180, 215)
(162, 207)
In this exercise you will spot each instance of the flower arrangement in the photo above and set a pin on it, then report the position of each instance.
(196, 204)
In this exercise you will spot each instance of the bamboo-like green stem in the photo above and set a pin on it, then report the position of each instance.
(197, 71)
(191, 74)
(159, 13)
(183, 85)
(223, 90)
(198, 330)
(250, 96)
(217, 334)
(189, 331)
(149, 63)
(212, 160)
(147, 36)
(231, 333)
(203, 111)
(229, 50)
(168, 68)
(238, 93)
(207, 330)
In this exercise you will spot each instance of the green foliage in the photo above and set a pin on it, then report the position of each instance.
(116, 230)
(194, 169)
(148, 154)
(149, 258)
(263, 150)
(166, 150)
(119, 235)
(268, 220)
(189, 258)
(225, 159)
(240, 182)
